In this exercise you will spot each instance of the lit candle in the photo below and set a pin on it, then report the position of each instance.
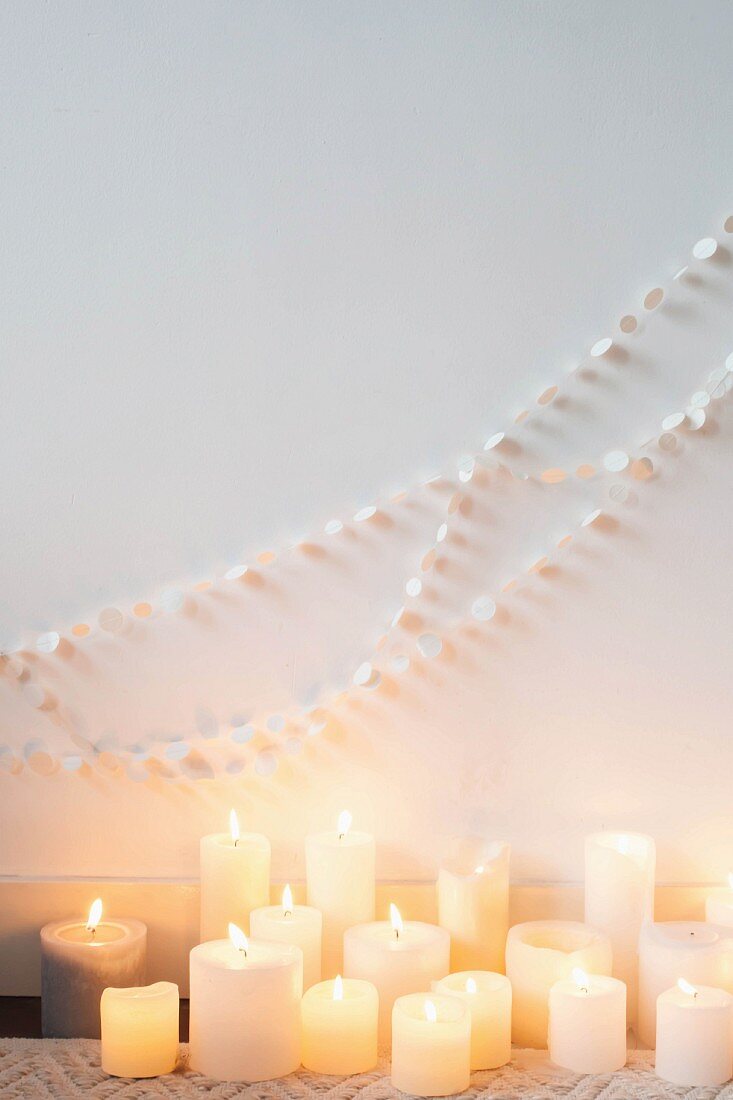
(694, 1035)
(340, 1021)
(140, 1030)
(667, 949)
(79, 959)
(399, 957)
(540, 953)
(288, 923)
(488, 998)
(619, 898)
(339, 868)
(587, 1030)
(431, 1045)
(473, 904)
(235, 878)
(719, 906)
(245, 1008)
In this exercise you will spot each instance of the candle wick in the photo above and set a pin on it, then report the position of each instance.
(396, 933)
(93, 932)
(236, 842)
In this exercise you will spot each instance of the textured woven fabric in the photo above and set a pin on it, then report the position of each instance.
(64, 1069)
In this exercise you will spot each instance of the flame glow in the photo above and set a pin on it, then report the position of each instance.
(431, 1012)
(624, 845)
(395, 918)
(338, 988)
(238, 938)
(344, 823)
(580, 978)
(471, 986)
(479, 870)
(95, 915)
(687, 988)
(234, 825)
(287, 901)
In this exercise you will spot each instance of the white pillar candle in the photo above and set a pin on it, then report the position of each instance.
(694, 1035)
(245, 1008)
(288, 923)
(719, 906)
(431, 1045)
(619, 898)
(340, 1022)
(79, 959)
(399, 957)
(473, 904)
(339, 868)
(668, 950)
(235, 878)
(587, 1026)
(488, 998)
(140, 1030)
(540, 953)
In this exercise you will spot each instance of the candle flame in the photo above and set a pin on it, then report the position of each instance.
(471, 986)
(730, 879)
(431, 1012)
(624, 845)
(287, 901)
(95, 915)
(479, 870)
(580, 978)
(338, 988)
(234, 826)
(395, 918)
(344, 823)
(687, 988)
(238, 938)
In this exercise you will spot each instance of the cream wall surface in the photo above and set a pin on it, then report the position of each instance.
(268, 263)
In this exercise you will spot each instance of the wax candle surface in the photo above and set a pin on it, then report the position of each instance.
(431, 1045)
(473, 905)
(245, 1010)
(235, 879)
(340, 1024)
(619, 898)
(289, 923)
(719, 906)
(540, 953)
(587, 1026)
(339, 869)
(140, 1030)
(399, 960)
(694, 1035)
(702, 953)
(77, 965)
(488, 998)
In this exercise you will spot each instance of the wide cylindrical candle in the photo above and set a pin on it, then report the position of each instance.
(668, 950)
(235, 879)
(540, 953)
(140, 1030)
(340, 870)
(719, 906)
(79, 959)
(340, 1023)
(398, 957)
(245, 1009)
(694, 1035)
(473, 904)
(587, 1026)
(488, 998)
(431, 1045)
(619, 898)
(288, 923)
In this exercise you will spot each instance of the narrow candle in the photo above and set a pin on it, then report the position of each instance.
(694, 1035)
(339, 869)
(431, 1045)
(288, 923)
(488, 998)
(140, 1030)
(587, 1028)
(399, 957)
(619, 898)
(703, 953)
(340, 1022)
(540, 953)
(79, 959)
(235, 878)
(245, 1008)
(719, 906)
(473, 904)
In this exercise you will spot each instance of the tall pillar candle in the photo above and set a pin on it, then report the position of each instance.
(79, 959)
(289, 923)
(619, 898)
(694, 1035)
(140, 1030)
(488, 998)
(245, 1008)
(340, 1023)
(399, 957)
(719, 906)
(340, 875)
(540, 953)
(235, 878)
(431, 1045)
(668, 950)
(587, 1023)
(473, 904)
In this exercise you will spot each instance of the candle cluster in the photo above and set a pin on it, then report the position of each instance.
(325, 985)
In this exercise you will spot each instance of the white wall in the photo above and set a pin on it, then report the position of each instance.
(267, 263)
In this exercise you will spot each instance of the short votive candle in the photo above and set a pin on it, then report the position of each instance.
(587, 1029)
(340, 1024)
(431, 1044)
(140, 1030)
(488, 998)
(694, 1035)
